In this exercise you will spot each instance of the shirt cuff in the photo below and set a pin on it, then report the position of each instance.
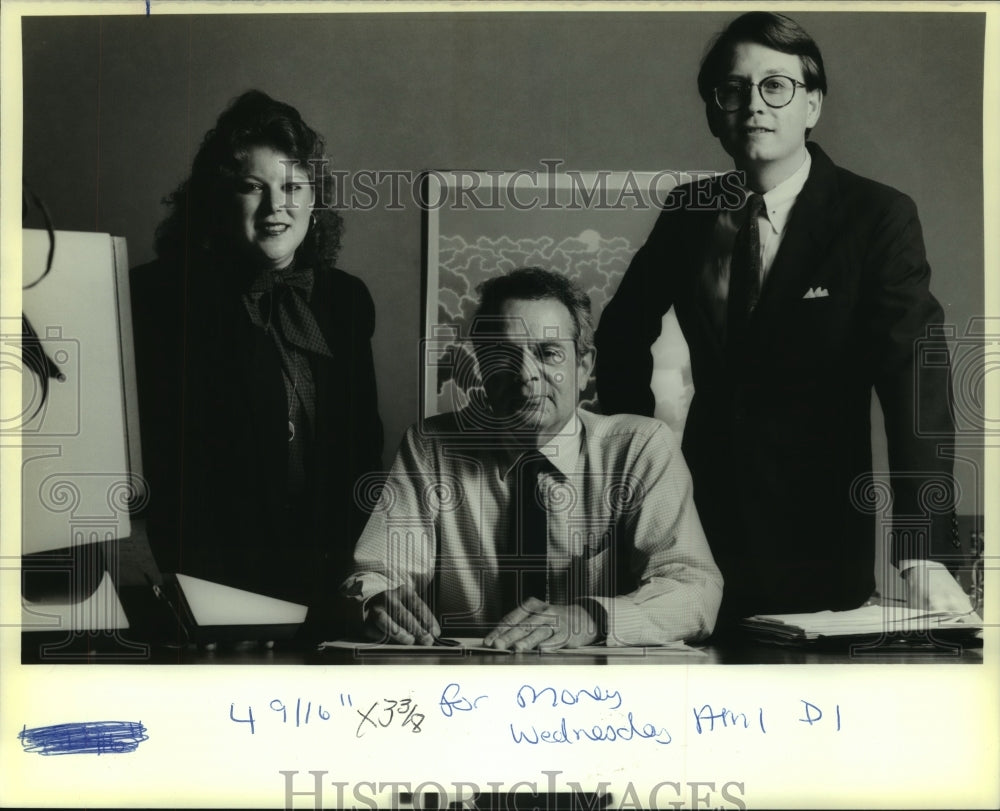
(362, 586)
(599, 614)
(625, 623)
(909, 563)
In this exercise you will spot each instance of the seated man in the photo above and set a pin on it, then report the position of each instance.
(539, 523)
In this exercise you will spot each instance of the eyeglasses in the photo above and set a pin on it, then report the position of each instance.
(776, 91)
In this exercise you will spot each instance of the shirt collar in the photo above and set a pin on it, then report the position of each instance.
(563, 450)
(778, 201)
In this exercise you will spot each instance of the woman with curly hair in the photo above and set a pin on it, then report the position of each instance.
(256, 380)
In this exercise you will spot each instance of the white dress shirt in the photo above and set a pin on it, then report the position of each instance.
(622, 528)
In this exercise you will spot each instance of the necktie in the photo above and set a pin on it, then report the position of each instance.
(744, 271)
(528, 549)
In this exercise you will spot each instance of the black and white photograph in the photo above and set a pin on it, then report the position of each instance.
(639, 353)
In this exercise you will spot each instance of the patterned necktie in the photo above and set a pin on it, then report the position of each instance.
(528, 549)
(744, 271)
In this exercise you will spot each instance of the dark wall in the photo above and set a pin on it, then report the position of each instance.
(114, 108)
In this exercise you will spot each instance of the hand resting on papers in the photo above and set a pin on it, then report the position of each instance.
(537, 624)
(931, 586)
(400, 616)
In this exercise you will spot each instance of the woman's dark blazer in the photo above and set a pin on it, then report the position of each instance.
(778, 437)
(213, 412)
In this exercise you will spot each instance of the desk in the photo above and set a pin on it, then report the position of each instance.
(89, 649)
(136, 569)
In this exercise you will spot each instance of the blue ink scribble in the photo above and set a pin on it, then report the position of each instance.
(94, 738)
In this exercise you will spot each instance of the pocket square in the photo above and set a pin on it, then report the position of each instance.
(816, 292)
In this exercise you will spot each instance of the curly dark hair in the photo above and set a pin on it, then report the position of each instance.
(195, 224)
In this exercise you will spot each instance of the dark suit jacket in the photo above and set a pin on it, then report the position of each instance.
(778, 437)
(213, 411)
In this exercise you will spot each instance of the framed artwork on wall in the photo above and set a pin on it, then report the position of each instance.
(588, 225)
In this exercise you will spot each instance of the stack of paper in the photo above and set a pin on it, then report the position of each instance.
(868, 620)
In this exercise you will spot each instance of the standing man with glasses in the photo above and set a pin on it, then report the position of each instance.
(799, 287)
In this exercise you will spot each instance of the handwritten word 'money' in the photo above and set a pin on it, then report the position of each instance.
(93, 738)
(529, 694)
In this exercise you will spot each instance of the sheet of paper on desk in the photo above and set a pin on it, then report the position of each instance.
(869, 619)
(671, 649)
(216, 604)
(456, 643)
(474, 644)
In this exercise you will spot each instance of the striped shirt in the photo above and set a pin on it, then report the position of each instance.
(622, 527)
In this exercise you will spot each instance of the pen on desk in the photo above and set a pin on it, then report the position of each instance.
(446, 643)
(161, 595)
(879, 599)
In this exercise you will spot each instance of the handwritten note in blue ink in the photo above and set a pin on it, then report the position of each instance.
(380, 715)
(528, 694)
(580, 727)
(707, 719)
(453, 701)
(88, 738)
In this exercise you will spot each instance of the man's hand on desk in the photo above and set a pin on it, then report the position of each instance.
(535, 624)
(399, 616)
(930, 586)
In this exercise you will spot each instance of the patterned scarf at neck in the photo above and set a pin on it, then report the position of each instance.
(278, 302)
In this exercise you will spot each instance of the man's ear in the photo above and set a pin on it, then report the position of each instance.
(585, 367)
(814, 102)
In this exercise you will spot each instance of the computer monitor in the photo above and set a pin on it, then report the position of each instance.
(81, 467)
